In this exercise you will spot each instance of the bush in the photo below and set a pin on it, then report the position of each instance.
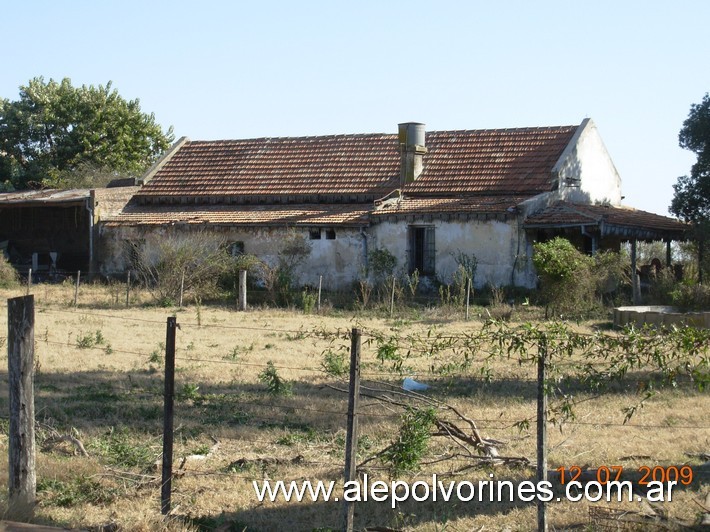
(8, 274)
(161, 261)
(566, 277)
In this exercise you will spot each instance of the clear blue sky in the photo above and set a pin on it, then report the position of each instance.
(218, 70)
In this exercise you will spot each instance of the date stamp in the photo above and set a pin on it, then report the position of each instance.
(605, 474)
(654, 483)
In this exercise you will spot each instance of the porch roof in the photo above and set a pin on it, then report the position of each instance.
(623, 222)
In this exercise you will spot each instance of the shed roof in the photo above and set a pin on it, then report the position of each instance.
(44, 197)
(620, 221)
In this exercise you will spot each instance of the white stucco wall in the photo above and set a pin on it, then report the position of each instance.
(495, 243)
(339, 261)
(588, 160)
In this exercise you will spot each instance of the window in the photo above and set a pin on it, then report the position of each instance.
(330, 234)
(235, 248)
(314, 233)
(422, 250)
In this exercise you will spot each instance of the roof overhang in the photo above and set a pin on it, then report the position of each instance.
(620, 222)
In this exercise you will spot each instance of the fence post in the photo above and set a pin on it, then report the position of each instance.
(351, 438)
(29, 282)
(320, 287)
(182, 288)
(20, 365)
(468, 296)
(128, 286)
(242, 290)
(167, 479)
(394, 281)
(76, 288)
(541, 429)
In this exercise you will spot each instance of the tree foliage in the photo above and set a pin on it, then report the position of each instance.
(691, 199)
(56, 130)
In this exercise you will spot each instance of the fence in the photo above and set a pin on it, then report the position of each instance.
(554, 354)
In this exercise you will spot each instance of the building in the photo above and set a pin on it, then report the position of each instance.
(426, 197)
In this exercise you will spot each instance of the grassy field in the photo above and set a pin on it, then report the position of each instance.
(99, 378)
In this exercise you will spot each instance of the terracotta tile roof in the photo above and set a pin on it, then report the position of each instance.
(494, 161)
(246, 215)
(503, 161)
(465, 205)
(328, 165)
(564, 214)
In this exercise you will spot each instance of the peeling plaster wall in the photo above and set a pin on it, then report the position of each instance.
(339, 261)
(495, 243)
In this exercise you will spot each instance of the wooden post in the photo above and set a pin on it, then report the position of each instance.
(351, 438)
(20, 364)
(394, 282)
(182, 288)
(668, 253)
(468, 297)
(76, 288)
(29, 282)
(242, 290)
(541, 429)
(635, 289)
(320, 287)
(168, 399)
(128, 286)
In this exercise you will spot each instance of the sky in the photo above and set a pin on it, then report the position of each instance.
(237, 69)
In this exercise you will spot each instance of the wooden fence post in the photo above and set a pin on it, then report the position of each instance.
(242, 290)
(351, 438)
(541, 429)
(320, 287)
(182, 288)
(20, 365)
(394, 281)
(168, 400)
(128, 286)
(468, 297)
(29, 282)
(76, 288)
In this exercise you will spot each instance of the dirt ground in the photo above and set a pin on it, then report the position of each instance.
(99, 378)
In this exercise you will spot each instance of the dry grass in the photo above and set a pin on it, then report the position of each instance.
(109, 391)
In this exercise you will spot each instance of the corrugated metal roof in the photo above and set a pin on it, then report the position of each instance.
(44, 197)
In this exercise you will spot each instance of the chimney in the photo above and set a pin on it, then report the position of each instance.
(412, 150)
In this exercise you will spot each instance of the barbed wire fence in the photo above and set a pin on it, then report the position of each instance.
(535, 344)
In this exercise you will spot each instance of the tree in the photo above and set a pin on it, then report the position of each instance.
(691, 199)
(56, 132)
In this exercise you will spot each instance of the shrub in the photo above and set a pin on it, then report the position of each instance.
(566, 276)
(275, 384)
(161, 261)
(8, 274)
(279, 279)
(406, 453)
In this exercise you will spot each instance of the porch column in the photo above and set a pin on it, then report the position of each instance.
(635, 289)
(668, 253)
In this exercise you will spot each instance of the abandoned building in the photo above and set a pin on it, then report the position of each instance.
(426, 197)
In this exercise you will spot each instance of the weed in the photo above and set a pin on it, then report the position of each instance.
(88, 340)
(118, 449)
(189, 392)
(74, 492)
(156, 356)
(406, 452)
(334, 363)
(108, 349)
(275, 384)
(308, 301)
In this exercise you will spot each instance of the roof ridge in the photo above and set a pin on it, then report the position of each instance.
(530, 129)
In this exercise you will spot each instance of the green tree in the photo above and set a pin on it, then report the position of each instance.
(56, 131)
(691, 198)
